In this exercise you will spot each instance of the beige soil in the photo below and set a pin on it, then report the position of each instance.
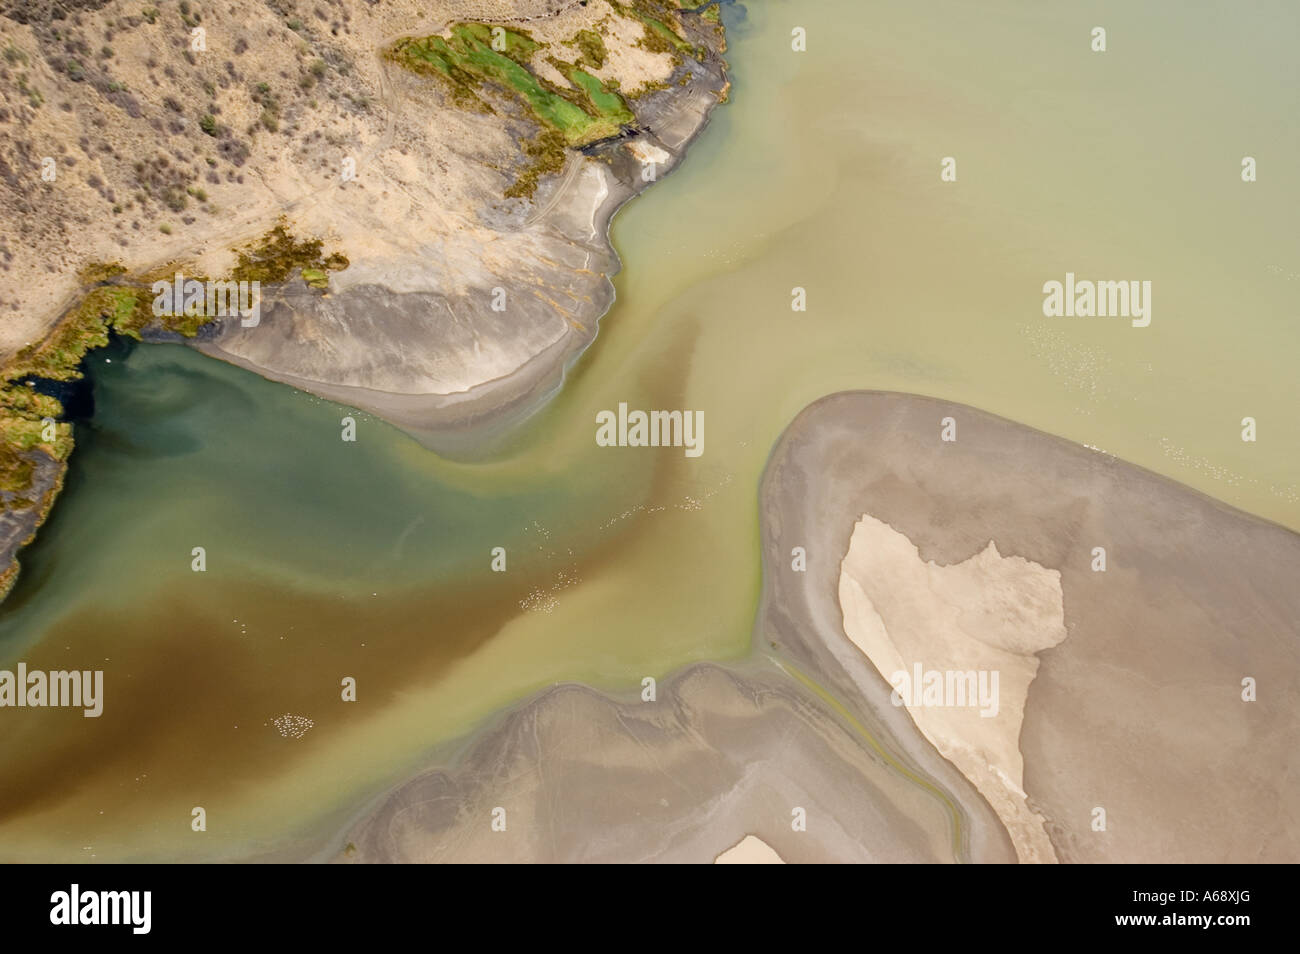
(988, 613)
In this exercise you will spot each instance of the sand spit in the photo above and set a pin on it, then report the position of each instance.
(751, 850)
(721, 756)
(966, 629)
(1136, 720)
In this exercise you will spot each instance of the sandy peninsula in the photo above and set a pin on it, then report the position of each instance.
(1137, 741)
(750, 850)
(958, 644)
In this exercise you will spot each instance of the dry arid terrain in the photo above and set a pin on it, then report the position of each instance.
(165, 153)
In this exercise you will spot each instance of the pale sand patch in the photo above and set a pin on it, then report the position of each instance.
(989, 613)
(647, 152)
(750, 850)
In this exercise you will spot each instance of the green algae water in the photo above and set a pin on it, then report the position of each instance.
(327, 559)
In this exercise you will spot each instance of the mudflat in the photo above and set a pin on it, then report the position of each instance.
(722, 753)
(1140, 712)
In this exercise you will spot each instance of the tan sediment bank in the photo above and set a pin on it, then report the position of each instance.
(1138, 712)
(958, 645)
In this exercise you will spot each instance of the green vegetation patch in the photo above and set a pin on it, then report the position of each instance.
(602, 99)
(592, 45)
(659, 36)
(84, 328)
(28, 423)
(583, 114)
(277, 255)
(546, 155)
(125, 306)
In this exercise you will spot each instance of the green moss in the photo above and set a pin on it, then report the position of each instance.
(467, 57)
(28, 425)
(277, 255)
(316, 277)
(659, 37)
(593, 49)
(546, 153)
(470, 62)
(96, 273)
(126, 307)
(649, 87)
(585, 112)
(601, 100)
(20, 434)
(19, 399)
(58, 356)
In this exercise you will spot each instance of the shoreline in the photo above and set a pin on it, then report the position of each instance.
(19, 528)
(463, 421)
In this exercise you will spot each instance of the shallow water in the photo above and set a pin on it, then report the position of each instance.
(328, 559)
